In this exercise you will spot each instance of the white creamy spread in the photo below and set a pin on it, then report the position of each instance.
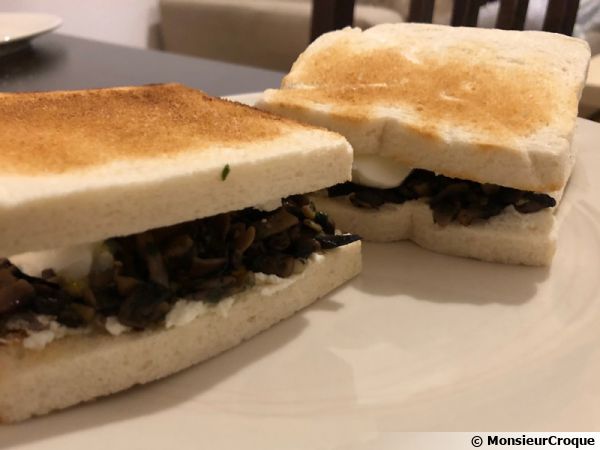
(263, 278)
(182, 313)
(271, 283)
(316, 257)
(37, 340)
(185, 311)
(378, 171)
(114, 327)
(224, 306)
(271, 205)
(72, 263)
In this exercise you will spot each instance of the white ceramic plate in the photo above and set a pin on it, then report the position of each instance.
(16, 29)
(419, 341)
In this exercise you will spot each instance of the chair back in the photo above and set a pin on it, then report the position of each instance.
(329, 15)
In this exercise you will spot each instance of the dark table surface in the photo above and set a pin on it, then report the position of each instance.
(57, 61)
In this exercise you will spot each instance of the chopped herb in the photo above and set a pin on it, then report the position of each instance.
(225, 172)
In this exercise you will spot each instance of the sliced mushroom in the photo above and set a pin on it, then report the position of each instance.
(276, 223)
(221, 224)
(85, 312)
(466, 216)
(451, 191)
(126, 285)
(149, 251)
(508, 196)
(245, 238)
(392, 196)
(325, 222)
(205, 266)
(309, 211)
(490, 189)
(342, 189)
(178, 247)
(368, 198)
(312, 225)
(49, 305)
(303, 247)
(24, 320)
(276, 264)
(14, 293)
(101, 279)
(148, 304)
(205, 259)
(445, 212)
(279, 242)
(70, 317)
(214, 289)
(328, 241)
(108, 301)
(450, 199)
(532, 202)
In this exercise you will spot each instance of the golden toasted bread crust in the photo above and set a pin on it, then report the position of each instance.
(503, 101)
(470, 81)
(85, 166)
(492, 106)
(58, 132)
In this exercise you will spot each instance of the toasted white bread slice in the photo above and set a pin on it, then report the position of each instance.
(84, 166)
(491, 106)
(80, 368)
(510, 238)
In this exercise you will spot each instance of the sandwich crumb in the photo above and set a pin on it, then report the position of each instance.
(225, 172)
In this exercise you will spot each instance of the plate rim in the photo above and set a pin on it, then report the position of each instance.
(54, 22)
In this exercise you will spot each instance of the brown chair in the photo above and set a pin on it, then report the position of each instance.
(329, 15)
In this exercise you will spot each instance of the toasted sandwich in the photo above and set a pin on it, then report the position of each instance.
(146, 229)
(462, 136)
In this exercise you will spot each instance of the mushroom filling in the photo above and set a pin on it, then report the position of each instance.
(450, 199)
(143, 275)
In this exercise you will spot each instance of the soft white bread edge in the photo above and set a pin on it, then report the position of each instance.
(80, 208)
(510, 238)
(539, 169)
(540, 161)
(80, 368)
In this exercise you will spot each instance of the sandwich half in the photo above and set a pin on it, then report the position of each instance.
(462, 136)
(147, 229)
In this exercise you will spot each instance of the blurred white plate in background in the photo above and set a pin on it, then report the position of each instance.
(16, 29)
